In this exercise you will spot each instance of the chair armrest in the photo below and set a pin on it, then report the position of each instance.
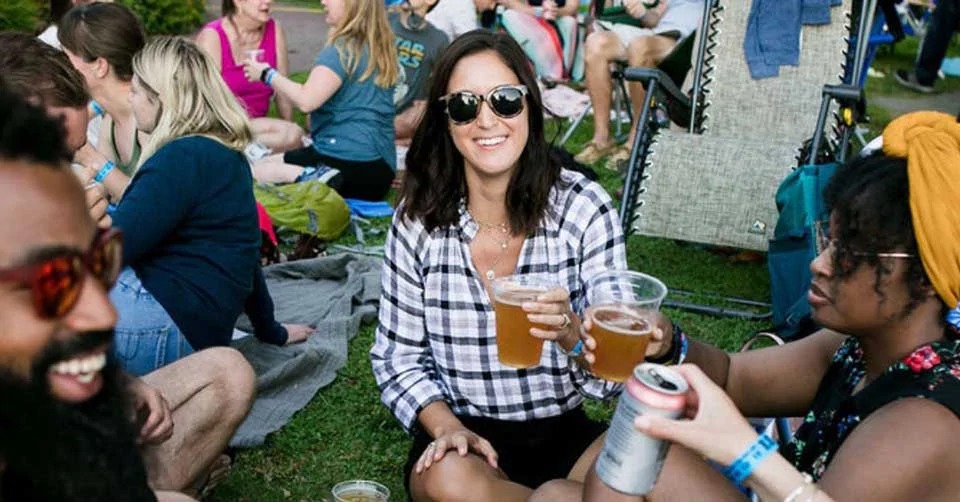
(645, 75)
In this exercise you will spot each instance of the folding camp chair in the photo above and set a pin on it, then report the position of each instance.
(714, 183)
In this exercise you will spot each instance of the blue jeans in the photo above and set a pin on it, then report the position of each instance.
(146, 338)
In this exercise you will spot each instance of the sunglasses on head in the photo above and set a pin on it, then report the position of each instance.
(57, 281)
(506, 101)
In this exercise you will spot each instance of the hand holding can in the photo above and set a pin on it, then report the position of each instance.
(630, 460)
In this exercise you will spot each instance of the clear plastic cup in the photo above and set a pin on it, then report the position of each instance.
(360, 490)
(516, 347)
(256, 55)
(623, 307)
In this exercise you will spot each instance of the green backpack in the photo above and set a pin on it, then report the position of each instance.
(310, 207)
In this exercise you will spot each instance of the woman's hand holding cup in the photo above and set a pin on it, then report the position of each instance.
(660, 338)
(253, 68)
(552, 312)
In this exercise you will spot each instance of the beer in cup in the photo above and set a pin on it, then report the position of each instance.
(623, 308)
(516, 347)
(360, 491)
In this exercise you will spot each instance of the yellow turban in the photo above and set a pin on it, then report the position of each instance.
(930, 142)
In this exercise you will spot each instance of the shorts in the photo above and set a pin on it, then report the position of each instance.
(146, 338)
(531, 452)
(365, 180)
(627, 33)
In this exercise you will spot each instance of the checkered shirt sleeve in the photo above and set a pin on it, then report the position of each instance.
(436, 338)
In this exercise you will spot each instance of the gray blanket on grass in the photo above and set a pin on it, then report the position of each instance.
(335, 294)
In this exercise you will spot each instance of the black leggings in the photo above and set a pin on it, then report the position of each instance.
(367, 180)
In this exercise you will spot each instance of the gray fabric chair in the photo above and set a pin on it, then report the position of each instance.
(715, 181)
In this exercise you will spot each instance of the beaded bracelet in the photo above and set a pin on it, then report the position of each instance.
(741, 468)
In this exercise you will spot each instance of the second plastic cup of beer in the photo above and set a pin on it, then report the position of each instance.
(623, 311)
(516, 347)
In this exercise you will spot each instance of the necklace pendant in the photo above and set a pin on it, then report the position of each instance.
(490, 274)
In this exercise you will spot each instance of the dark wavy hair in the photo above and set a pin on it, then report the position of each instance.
(869, 198)
(435, 181)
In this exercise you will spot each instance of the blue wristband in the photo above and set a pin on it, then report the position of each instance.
(104, 171)
(97, 109)
(576, 351)
(743, 466)
(270, 74)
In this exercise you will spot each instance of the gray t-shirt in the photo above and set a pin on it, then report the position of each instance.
(356, 123)
(417, 51)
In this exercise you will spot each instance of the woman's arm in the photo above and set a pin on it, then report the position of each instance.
(284, 105)
(209, 41)
(322, 83)
(401, 355)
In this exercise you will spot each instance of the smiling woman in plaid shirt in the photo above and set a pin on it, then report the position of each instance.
(482, 199)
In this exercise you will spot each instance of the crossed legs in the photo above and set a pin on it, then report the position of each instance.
(604, 48)
(209, 394)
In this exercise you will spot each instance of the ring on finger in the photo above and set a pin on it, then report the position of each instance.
(566, 321)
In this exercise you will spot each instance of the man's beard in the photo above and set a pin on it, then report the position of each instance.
(55, 451)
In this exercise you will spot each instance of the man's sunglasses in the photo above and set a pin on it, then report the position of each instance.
(58, 280)
(506, 101)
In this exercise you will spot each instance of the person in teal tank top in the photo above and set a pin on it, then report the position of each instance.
(878, 386)
(349, 96)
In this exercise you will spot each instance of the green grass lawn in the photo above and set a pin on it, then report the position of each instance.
(345, 433)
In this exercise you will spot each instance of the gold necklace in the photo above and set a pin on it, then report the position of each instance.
(505, 233)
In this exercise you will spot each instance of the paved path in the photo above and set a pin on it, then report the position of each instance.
(947, 102)
(306, 31)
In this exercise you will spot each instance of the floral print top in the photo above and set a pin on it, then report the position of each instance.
(931, 371)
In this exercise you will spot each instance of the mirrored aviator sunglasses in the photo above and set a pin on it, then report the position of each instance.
(506, 101)
(57, 281)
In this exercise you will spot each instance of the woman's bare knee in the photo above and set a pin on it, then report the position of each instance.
(455, 479)
(558, 490)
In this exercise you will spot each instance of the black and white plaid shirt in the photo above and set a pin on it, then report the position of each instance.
(437, 334)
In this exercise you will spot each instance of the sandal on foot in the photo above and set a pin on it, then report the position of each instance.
(591, 153)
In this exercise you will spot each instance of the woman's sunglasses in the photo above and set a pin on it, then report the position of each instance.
(58, 280)
(506, 101)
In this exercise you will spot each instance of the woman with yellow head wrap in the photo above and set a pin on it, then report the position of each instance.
(878, 386)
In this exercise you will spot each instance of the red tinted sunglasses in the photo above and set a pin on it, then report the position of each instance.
(57, 281)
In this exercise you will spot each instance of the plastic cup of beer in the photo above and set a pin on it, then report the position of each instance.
(359, 490)
(516, 347)
(623, 308)
(256, 55)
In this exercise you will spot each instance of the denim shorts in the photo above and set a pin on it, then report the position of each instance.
(146, 337)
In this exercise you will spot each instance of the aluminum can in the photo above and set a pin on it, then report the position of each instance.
(630, 460)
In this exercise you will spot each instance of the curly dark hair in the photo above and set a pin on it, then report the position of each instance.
(435, 181)
(869, 199)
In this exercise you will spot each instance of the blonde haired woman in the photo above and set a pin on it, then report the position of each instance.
(191, 237)
(349, 95)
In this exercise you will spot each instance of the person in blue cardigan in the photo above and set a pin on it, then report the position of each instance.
(191, 238)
